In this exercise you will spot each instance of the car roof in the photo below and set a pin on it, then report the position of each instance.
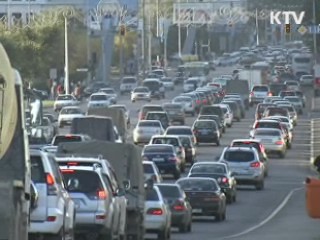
(159, 145)
(151, 105)
(266, 120)
(179, 127)
(161, 112)
(168, 184)
(75, 107)
(165, 136)
(246, 140)
(267, 129)
(209, 163)
(99, 93)
(236, 148)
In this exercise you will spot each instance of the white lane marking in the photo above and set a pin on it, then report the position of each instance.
(271, 216)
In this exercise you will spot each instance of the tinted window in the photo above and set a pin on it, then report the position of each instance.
(147, 168)
(156, 116)
(260, 89)
(62, 139)
(98, 98)
(186, 141)
(152, 195)
(204, 124)
(82, 181)
(151, 109)
(211, 111)
(302, 59)
(267, 125)
(141, 90)
(197, 185)
(267, 133)
(152, 85)
(129, 81)
(37, 171)
(247, 144)
(209, 168)
(157, 149)
(238, 156)
(171, 141)
(169, 191)
(179, 131)
(71, 111)
(149, 124)
(175, 107)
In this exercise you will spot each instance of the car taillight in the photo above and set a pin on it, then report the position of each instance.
(252, 94)
(155, 211)
(255, 164)
(67, 171)
(72, 164)
(270, 94)
(102, 195)
(179, 206)
(280, 142)
(198, 101)
(172, 159)
(224, 180)
(51, 188)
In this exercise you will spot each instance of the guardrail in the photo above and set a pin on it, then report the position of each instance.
(315, 139)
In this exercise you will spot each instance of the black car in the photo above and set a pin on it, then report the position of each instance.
(215, 118)
(165, 157)
(206, 131)
(205, 196)
(181, 211)
(221, 173)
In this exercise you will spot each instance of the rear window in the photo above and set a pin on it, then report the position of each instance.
(158, 149)
(147, 168)
(70, 111)
(156, 116)
(267, 133)
(238, 156)
(247, 144)
(152, 195)
(149, 124)
(209, 168)
(99, 98)
(179, 131)
(175, 107)
(211, 111)
(292, 83)
(37, 171)
(275, 111)
(63, 139)
(170, 191)
(204, 124)
(282, 94)
(170, 141)
(186, 141)
(151, 109)
(267, 125)
(129, 81)
(198, 185)
(87, 182)
(260, 89)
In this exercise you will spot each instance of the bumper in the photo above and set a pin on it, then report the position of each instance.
(154, 224)
(203, 208)
(256, 100)
(248, 179)
(207, 139)
(141, 139)
(167, 167)
(46, 227)
(178, 218)
(274, 148)
(140, 98)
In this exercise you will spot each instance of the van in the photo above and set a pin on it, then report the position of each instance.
(128, 84)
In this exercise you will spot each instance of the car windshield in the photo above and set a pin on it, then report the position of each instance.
(200, 185)
(64, 97)
(81, 181)
(238, 156)
(158, 149)
(209, 168)
(149, 124)
(141, 90)
(169, 191)
(71, 111)
(267, 133)
(204, 124)
(98, 98)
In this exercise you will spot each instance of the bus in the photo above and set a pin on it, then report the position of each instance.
(302, 64)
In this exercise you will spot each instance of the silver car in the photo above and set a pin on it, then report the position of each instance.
(296, 102)
(187, 103)
(111, 93)
(245, 165)
(145, 129)
(141, 93)
(273, 140)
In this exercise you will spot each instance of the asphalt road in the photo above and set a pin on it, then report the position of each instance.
(277, 212)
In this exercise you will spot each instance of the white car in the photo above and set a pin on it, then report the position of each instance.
(157, 214)
(151, 171)
(191, 84)
(67, 114)
(187, 103)
(167, 83)
(145, 129)
(54, 213)
(141, 93)
(128, 84)
(64, 101)
(98, 100)
(292, 85)
(306, 79)
(111, 93)
(228, 114)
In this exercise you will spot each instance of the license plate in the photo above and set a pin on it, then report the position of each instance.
(196, 210)
(158, 159)
(205, 132)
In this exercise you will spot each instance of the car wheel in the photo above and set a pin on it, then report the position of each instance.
(177, 174)
(163, 234)
(260, 185)
(183, 228)
(218, 143)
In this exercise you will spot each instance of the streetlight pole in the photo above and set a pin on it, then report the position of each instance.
(143, 40)
(179, 30)
(66, 57)
(314, 33)
(158, 30)
(149, 42)
(89, 60)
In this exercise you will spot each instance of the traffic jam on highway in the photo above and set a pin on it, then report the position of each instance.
(153, 156)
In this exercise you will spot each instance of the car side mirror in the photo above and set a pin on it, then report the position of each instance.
(34, 196)
(126, 185)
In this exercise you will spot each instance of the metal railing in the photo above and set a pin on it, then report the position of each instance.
(315, 139)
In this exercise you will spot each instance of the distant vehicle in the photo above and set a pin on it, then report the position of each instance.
(181, 131)
(167, 83)
(94, 87)
(67, 114)
(161, 116)
(206, 131)
(187, 103)
(155, 86)
(69, 138)
(128, 84)
(258, 94)
(112, 93)
(141, 93)
(302, 64)
(292, 85)
(145, 129)
(306, 80)
(149, 108)
(64, 101)
(175, 112)
(98, 100)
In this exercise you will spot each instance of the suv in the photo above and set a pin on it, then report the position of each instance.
(175, 112)
(54, 213)
(128, 84)
(245, 165)
(93, 198)
(110, 178)
(213, 110)
(256, 143)
(149, 108)
(160, 116)
(258, 94)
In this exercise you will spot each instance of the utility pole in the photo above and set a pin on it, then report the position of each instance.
(315, 51)
(66, 56)
(143, 38)
(179, 30)
(158, 29)
(149, 42)
(89, 60)
(122, 34)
